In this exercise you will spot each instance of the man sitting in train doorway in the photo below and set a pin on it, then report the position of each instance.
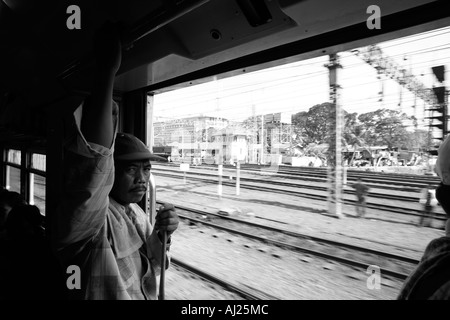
(361, 191)
(100, 229)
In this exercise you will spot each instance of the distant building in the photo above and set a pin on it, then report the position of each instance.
(230, 143)
(187, 136)
(206, 138)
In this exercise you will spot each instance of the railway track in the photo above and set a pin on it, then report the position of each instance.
(246, 292)
(406, 182)
(297, 184)
(391, 265)
(411, 180)
(294, 191)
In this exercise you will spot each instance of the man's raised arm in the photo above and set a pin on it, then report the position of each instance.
(97, 120)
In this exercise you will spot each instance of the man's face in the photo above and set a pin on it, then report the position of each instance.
(131, 180)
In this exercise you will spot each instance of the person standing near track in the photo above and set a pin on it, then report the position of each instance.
(113, 249)
(428, 200)
(361, 191)
(431, 278)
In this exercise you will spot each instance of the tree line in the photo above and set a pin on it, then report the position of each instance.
(383, 127)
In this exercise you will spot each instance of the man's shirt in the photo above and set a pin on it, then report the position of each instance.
(430, 279)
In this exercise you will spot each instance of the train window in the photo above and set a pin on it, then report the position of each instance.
(241, 112)
(37, 191)
(287, 109)
(260, 144)
(37, 181)
(38, 161)
(34, 166)
(14, 156)
(13, 163)
(12, 178)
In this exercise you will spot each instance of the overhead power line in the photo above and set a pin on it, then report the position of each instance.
(373, 55)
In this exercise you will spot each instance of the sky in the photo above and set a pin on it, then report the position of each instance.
(298, 86)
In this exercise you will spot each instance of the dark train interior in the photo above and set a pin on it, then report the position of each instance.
(46, 61)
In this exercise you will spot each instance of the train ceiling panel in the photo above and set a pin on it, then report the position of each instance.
(219, 25)
(292, 20)
(209, 31)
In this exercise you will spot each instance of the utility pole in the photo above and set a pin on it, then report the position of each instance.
(335, 145)
(440, 105)
(381, 92)
(150, 119)
(238, 177)
(220, 169)
(254, 134)
(262, 139)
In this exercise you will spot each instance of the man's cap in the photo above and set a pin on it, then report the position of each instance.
(442, 167)
(128, 148)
